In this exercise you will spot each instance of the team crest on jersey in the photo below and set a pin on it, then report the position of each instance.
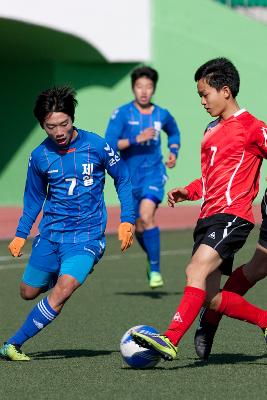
(157, 128)
(88, 180)
(114, 156)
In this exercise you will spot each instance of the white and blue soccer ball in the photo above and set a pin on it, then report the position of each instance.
(133, 354)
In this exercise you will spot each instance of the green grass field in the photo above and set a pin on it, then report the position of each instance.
(77, 357)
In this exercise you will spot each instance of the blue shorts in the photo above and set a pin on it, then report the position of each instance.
(151, 187)
(49, 260)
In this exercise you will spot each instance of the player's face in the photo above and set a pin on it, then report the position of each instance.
(143, 90)
(214, 101)
(59, 128)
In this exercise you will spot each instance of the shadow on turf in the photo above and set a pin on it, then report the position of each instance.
(152, 294)
(230, 358)
(218, 359)
(224, 359)
(58, 354)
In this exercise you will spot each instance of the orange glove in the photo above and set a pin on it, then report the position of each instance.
(125, 235)
(16, 245)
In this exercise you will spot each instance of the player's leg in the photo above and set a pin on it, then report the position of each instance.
(204, 262)
(139, 228)
(148, 196)
(41, 269)
(216, 238)
(230, 303)
(240, 281)
(235, 306)
(35, 281)
(73, 273)
(151, 238)
(77, 262)
(205, 333)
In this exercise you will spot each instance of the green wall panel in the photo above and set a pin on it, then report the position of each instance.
(185, 35)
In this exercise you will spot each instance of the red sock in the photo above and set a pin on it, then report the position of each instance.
(236, 283)
(235, 306)
(186, 313)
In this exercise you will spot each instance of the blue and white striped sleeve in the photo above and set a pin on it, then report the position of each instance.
(118, 170)
(114, 129)
(171, 128)
(34, 197)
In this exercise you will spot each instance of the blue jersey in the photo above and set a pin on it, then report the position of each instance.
(127, 122)
(68, 185)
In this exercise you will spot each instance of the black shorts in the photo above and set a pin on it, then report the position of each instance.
(225, 233)
(263, 228)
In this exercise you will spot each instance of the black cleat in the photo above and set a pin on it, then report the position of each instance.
(203, 339)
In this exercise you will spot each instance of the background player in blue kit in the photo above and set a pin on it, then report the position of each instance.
(134, 129)
(65, 179)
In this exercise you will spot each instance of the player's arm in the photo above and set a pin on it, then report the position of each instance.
(118, 170)
(174, 143)
(193, 191)
(34, 196)
(177, 195)
(114, 131)
(257, 141)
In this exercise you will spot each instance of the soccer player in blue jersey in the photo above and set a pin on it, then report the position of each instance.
(65, 179)
(134, 129)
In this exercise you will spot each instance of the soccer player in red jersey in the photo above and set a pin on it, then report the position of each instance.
(231, 155)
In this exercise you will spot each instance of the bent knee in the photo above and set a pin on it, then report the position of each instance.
(147, 220)
(196, 274)
(29, 293)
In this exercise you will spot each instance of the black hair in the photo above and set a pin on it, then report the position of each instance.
(55, 99)
(218, 73)
(148, 72)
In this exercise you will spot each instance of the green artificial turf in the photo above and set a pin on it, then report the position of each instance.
(77, 356)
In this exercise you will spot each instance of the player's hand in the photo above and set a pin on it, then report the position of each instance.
(177, 195)
(125, 235)
(171, 162)
(16, 245)
(145, 135)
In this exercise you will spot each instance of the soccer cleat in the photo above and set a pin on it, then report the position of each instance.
(155, 280)
(157, 342)
(204, 336)
(13, 352)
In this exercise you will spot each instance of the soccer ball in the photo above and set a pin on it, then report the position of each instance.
(133, 354)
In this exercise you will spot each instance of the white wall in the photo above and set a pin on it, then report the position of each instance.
(118, 29)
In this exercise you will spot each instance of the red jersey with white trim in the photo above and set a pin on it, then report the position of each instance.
(231, 155)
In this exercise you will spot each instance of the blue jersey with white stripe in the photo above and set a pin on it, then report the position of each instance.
(68, 185)
(127, 122)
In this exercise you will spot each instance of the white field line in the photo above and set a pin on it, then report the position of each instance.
(164, 253)
(19, 264)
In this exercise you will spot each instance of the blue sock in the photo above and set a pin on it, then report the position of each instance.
(140, 239)
(40, 316)
(151, 239)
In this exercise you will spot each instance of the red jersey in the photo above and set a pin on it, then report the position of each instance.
(231, 155)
